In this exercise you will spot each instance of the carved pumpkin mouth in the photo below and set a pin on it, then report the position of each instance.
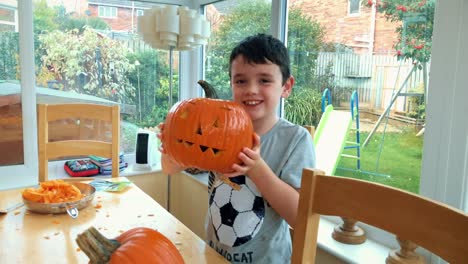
(203, 149)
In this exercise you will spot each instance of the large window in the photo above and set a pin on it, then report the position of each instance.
(18, 158)
(350, 55)
(11, 125)
(387, 63)
(338, 63)
(79, 57)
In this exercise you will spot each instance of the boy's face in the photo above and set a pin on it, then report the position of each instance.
(258, 88)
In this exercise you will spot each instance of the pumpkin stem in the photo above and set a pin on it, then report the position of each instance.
(97, 247)
(210, 91)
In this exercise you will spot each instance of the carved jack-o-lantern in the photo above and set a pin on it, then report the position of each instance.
(207, 133)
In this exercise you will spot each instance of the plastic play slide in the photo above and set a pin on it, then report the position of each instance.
(330, 138)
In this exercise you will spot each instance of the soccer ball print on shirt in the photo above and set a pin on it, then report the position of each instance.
(236, 215)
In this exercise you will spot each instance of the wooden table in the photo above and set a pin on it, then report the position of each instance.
(27, 237)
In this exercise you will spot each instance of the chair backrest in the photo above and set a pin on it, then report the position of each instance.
(434, 226)
(50, 150)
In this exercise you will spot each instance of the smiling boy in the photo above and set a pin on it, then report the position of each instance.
(251, 225)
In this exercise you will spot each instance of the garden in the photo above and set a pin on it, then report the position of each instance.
(391, 158)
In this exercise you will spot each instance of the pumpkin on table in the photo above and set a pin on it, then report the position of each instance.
(207, 133)
(137, 245)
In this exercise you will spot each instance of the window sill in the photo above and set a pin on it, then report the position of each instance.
(368, 252)
(56, 170)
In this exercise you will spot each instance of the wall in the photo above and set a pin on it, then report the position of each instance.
(153, 184)
(352, 30)
(123, 21)
(189, 202)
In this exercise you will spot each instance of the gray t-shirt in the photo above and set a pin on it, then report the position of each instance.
(241, 225)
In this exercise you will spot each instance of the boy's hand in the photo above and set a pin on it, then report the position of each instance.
(249, 157)
(169, 166)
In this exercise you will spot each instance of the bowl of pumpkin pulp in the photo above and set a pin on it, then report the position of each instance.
(57, 196)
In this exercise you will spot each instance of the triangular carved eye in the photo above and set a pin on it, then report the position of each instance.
(215, 151)
(199, 130)
(216, 123)
(203, 148)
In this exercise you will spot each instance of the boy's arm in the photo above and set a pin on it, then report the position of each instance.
(282, 197)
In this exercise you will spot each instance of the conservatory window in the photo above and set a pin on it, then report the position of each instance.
(95, 64)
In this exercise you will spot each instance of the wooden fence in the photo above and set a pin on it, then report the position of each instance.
(375, 77)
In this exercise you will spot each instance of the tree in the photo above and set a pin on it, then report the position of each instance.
(305, 40)
(70, 21)
(88, 63)
(249, 17)
(44, 18)
(151, 80)
(9, 50)
(232, 29)
(48, 19)
(416, 21)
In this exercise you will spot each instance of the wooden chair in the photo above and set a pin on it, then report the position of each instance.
(50, 150)
(434, 226)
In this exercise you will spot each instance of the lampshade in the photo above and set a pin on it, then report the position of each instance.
(169, 26)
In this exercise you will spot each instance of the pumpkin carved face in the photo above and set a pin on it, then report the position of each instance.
(207, 134)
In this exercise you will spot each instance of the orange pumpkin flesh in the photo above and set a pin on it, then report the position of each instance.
(137, 245)
(207, 134)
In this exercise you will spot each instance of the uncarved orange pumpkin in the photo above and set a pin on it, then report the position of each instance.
(137, 245)
(207, 134)
(145, 245)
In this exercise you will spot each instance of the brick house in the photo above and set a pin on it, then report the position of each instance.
(350, 23)
(345, 21)
(121, 16)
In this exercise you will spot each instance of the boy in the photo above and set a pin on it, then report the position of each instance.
(250, 225)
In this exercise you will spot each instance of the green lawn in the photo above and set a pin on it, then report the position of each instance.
(400, 160)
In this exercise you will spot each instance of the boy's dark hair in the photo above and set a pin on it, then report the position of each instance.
(260, 48)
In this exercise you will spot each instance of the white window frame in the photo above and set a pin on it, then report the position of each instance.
(26, 174)
(140, 12)
(107, 11)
